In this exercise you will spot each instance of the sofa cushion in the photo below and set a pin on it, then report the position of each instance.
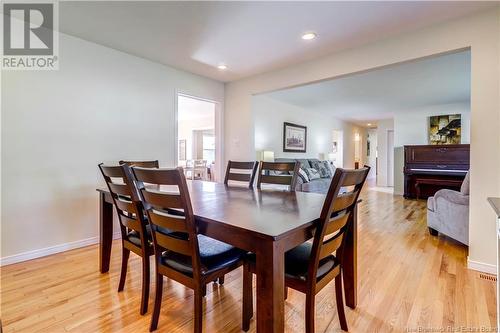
(320, 185)
(312, 174)
(332, 167)
(322, 167)
(303, 175)
(430, 204)
(304, 163)
(464, 189)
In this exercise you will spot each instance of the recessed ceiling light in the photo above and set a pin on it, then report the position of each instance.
(222, 67)
(369, 124)
(309, 36)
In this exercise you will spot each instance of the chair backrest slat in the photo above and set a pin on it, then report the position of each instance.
(174, 223)
(120, 189)
(125, 206)
(249, 169)
(275, 179)
(111, 171)
(336, 223)
(142, 164)
(130, 223)
(240, 177)
(335, 215)
(331, 245)
(354, 177)
(344, 201)
(285, 178)
(171, 210)
(174, 244)
(157, 199)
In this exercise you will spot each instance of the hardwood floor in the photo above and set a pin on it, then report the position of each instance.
(407, 280)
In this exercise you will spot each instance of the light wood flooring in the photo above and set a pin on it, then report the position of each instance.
(408, 280)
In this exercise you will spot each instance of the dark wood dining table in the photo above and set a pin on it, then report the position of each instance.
(265, 222)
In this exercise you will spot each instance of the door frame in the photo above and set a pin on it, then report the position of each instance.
(390, 166)
(219, 131)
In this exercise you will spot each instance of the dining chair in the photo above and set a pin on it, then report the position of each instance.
(136, 236)
(142, 164)
(200, 167)
(241, 172)
(278, 173)
(183, 255)
(311, 266)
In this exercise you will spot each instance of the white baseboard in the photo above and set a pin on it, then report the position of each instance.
(51, 250)
(481, 267)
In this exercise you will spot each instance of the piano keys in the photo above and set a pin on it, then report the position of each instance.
(429, 168)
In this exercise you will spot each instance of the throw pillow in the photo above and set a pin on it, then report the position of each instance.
(322, 168)
(325, 169)
(332, 167)
(312, 174)
(303, 175)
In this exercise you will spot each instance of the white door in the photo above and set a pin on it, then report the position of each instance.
(390, 158)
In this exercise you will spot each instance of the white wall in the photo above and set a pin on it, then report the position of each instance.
(186, 127)
(411, 127)
(479, 32)
(270, 114)
(383, 127)
(101, 105)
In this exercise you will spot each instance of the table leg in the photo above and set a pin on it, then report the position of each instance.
(105, 232)
(270, 288)
(350, 261)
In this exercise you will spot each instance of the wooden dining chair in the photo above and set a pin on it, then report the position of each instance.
(183, 255)
(310, 266)
(136, 236)
(278, 173)
(241, 172)
(142, 164)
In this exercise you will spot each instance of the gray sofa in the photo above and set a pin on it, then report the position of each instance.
(448, 213)
(319, 185)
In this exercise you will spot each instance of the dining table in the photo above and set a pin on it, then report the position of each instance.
(265, 222)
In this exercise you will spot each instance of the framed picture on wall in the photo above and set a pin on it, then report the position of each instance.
(445, 130)
(294, 138)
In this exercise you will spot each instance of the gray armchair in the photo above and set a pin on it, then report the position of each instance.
(448, 213)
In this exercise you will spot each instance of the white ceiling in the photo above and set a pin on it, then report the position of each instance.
(250, 37)
(380, 94)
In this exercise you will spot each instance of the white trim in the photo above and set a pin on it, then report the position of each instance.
(481, 267)
(51, 250)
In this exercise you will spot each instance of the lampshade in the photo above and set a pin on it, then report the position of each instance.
(268, 156)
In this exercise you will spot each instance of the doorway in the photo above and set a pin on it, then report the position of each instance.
(336, 155)
(197, 142)
(390, 158)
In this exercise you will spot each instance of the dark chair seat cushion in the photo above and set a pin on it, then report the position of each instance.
(214, 255)
(297, 262)
(133, 236)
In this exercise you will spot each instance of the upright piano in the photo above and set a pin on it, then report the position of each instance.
(429, 168)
